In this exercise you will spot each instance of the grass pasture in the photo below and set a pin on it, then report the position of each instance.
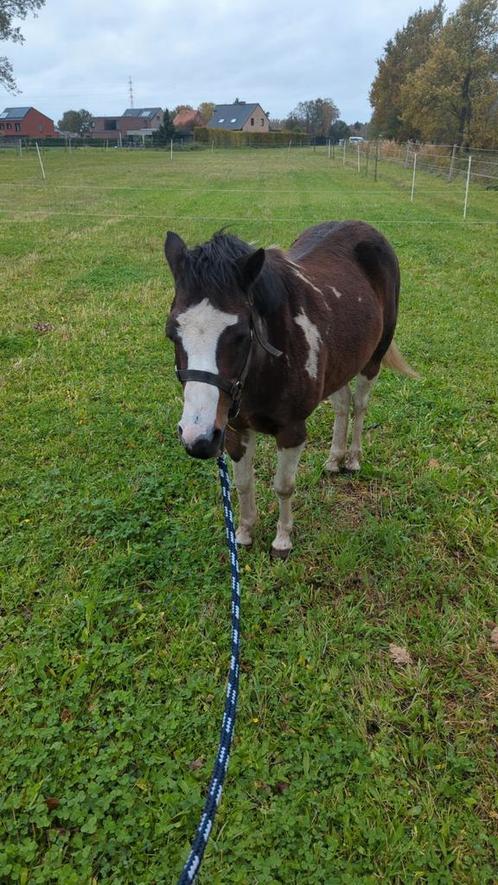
(114, 605)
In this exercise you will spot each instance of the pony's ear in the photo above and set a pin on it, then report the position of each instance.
(249, 267)
(175, 251)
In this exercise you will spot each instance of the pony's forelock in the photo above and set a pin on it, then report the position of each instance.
(211, 268)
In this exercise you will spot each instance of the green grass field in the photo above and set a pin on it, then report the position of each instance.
(114, 606)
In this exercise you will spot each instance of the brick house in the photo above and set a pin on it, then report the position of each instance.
(239, 116)
(25, 123)
(133, 121)
(105, 128)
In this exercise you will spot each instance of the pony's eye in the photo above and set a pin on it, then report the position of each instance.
(240, 335)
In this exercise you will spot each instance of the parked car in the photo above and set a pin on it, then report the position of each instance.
(356, 139)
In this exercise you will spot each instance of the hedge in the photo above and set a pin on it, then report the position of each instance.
(228, 138)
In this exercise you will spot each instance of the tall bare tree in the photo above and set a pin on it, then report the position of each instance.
(9, 31)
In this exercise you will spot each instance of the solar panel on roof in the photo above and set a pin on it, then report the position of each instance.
(14, 113)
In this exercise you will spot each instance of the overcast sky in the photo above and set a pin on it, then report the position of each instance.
(80, 53)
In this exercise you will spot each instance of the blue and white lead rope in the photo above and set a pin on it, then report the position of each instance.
(193, 863)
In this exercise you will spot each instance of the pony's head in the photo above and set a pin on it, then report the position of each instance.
(211, 325)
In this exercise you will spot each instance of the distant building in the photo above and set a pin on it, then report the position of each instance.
(105, 128)
(241, 116)
(186, 120)
(134, 121)
(25, 123)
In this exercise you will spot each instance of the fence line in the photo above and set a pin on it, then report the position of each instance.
(448, 164)
(445, 160)
(164, 215)
(189, 189)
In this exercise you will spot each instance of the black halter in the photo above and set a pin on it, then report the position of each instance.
(234, 388)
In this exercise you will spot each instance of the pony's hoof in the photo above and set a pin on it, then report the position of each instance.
(352, 464)
(243, 539)
(279, 552)
(332, 467)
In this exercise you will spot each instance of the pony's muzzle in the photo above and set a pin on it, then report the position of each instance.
(206, 446)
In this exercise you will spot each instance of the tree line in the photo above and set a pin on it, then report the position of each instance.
(319, 117)
(437, 80)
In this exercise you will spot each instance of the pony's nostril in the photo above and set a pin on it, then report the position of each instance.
(180, 430)
(205, 446)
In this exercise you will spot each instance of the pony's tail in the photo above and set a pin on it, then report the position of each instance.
(394, 360)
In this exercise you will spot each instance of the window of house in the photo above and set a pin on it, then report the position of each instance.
(252, 121)
(221, 120)
(2, 125)
(9, 125)
(40, 128)
(262, 121)
(18, 127)
(233, 120)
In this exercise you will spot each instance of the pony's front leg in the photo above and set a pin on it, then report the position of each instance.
(284, 483)
(244, 482)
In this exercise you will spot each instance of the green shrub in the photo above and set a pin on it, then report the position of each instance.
(227, 138)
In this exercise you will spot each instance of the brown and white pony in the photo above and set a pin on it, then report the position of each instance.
(263, 336)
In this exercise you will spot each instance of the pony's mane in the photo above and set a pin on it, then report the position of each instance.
(212, 267)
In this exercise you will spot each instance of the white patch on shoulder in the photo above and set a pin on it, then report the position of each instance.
(200, 328)
(313, 340)
(335, 291)
(298, 273)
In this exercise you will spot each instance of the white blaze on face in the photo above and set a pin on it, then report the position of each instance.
(313, 340)
(199, 329)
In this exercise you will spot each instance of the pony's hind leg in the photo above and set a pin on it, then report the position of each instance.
(360, 403)
(341, 402)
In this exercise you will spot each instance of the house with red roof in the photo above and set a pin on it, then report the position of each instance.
(25, 122)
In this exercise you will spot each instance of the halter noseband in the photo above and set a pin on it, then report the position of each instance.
(233, 388)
